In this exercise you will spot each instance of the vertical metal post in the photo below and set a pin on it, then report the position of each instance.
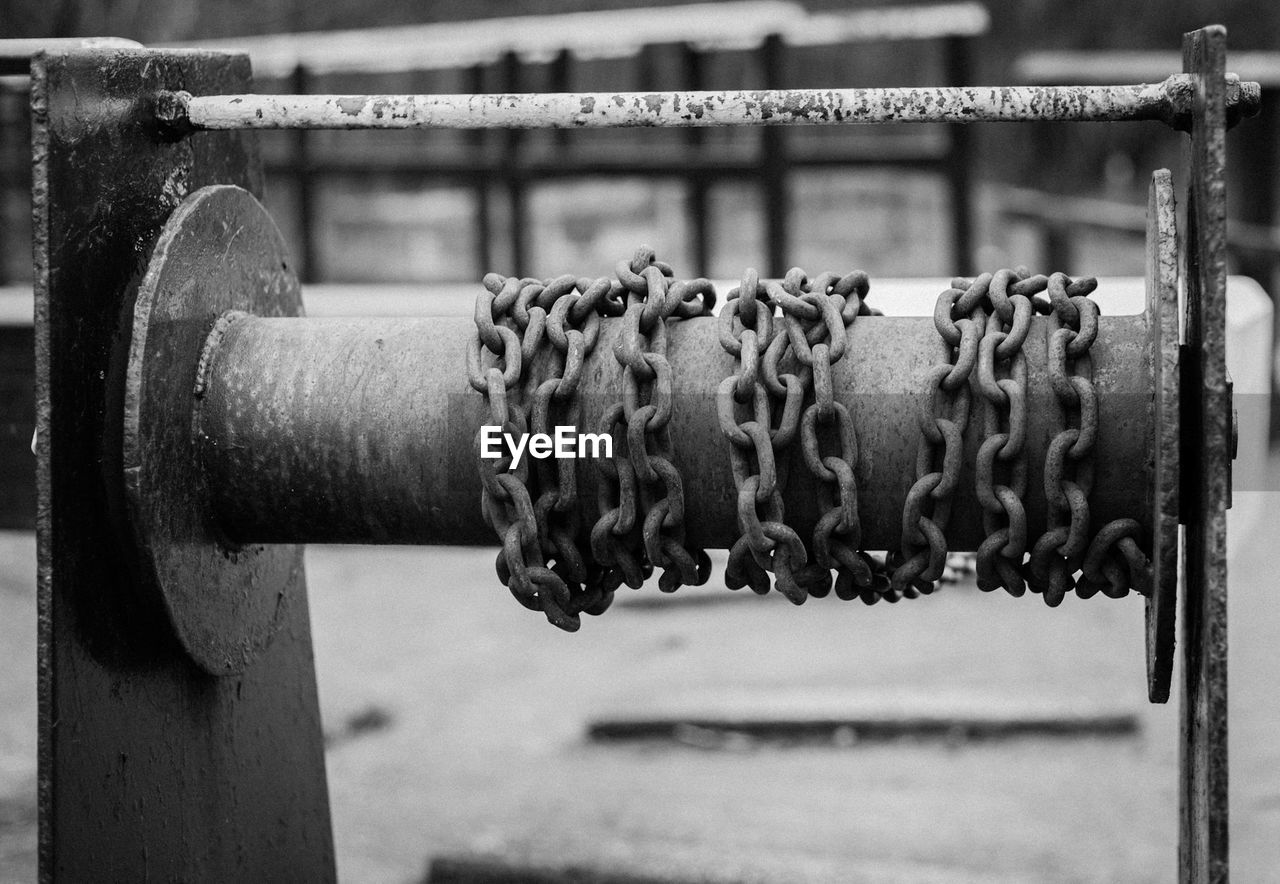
(304, 179)
(479, 142)
(149, 769)
(696, 190)
(1206, 417)
(960, 164)
(513, 173)
(773, 165)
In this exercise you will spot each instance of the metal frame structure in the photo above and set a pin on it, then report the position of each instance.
(505, 54)
(179, 728)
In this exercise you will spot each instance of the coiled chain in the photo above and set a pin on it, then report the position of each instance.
(646, 408)
(1112, 562)
(540, 561)
(961, 320)
(820, 340)
(1002, 380)
(786, 337)
(767, 544)
(781, 359)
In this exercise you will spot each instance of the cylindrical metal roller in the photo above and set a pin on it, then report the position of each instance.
(363, 430)
(247, 430)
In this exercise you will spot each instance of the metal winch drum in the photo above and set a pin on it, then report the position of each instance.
(834, 451)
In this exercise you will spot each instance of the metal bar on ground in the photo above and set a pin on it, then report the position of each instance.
(712, 732)
(1168, 102)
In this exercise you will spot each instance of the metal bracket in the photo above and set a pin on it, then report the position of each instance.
(219, 251)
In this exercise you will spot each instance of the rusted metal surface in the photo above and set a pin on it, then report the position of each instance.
(16, 55)
(329, 430)
(641, 478)
(149, 769)
(1169, 102)
(1001, 468)
(219, 251)
(1162, 306)
(1206, 453)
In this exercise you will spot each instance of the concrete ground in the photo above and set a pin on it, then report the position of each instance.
(456, 727)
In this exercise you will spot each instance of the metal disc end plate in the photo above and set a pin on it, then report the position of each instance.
(1162, 309)
(219, 251)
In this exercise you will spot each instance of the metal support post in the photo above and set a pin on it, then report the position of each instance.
(149, 767)
(1207, 433)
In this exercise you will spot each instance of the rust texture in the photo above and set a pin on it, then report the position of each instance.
(219, 254)
(1206, 455)
(328, 430)
(1169, 102)
(149, 768)
(1162, 305)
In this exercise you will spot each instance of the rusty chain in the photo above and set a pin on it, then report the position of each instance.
(648, 490)
(748, 333)
(819, 341)
(527, 357)
(960, 319)
(1111, 563)
(519, 322)
(1011, 298)
(1068, 467)
(761, 408)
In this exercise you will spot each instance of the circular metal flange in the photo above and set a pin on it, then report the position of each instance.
(219, 251)
(1162, 310)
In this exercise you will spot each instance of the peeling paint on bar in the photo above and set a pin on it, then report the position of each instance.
(1168, 102)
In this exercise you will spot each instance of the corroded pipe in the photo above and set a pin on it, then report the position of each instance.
(363, 430)
(1169, 102)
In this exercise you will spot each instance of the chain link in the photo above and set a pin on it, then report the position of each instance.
(1068, 468)
(1002, 380)
(1111, 563)
(551, 325)
(527, 357)
(745, 404)
(961, 320)
(820, 343)
(643, 485)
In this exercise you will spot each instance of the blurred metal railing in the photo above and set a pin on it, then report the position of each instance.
(501, 54)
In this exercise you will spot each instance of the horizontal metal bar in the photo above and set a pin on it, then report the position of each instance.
(1169, 102)
(364, 430)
